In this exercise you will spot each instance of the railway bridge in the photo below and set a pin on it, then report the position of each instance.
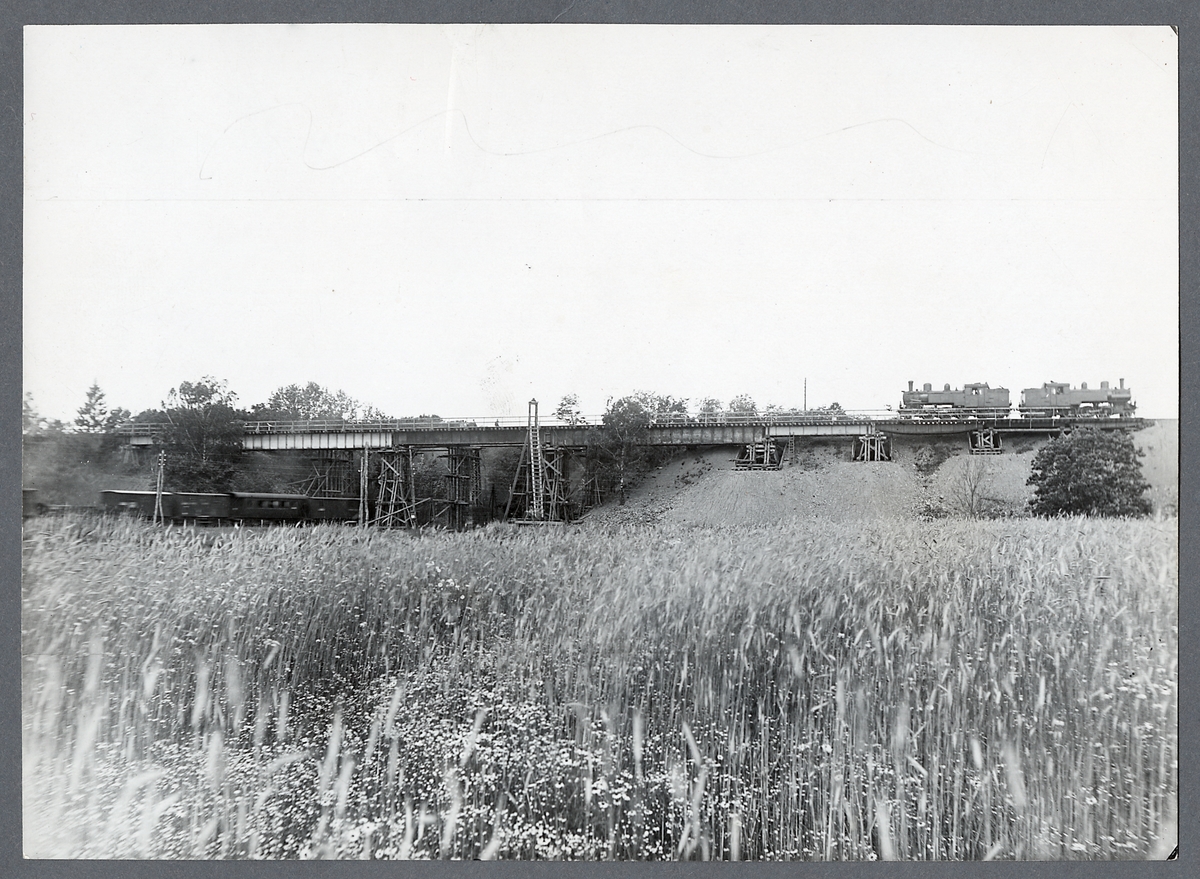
(540, 488)
(680, 431)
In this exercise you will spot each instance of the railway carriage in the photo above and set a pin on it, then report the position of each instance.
(136, 503)
(332, 509)
(201, 507)
(253, 506)
(213, 508)
(30, 505)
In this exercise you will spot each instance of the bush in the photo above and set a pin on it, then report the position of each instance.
(1089, 472)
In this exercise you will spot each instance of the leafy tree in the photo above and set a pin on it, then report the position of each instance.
(308, 402)
(115, 418)
(367, 412)
(623, 449)
(93, 414)
(1089, 472)
(32, 424)
(203, 441)
(969, 486)
(710, 409)
(743, 405)
(29, 415)
(626, 427)
(568, 410)
(665, 409)
(195, 395)
(313, 402)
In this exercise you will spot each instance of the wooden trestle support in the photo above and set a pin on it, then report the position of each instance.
(395, 500)
(464, 485)
(330, 476)
(539, 489)
(872, 446)
(760, 455)
(985, 441)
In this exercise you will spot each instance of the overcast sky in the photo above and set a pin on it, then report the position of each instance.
(452, 220)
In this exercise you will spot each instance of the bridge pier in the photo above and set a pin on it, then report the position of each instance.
(330, 476)
(761, 455)
(873, 446)
(985, 441)
(464, 484)
(395, 498)
(524, 504)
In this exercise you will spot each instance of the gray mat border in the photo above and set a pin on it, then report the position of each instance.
(17, 13)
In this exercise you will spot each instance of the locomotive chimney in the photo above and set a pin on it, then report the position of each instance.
(910, 387)
(1122, 384)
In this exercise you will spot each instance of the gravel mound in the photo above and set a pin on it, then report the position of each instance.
(702, 488)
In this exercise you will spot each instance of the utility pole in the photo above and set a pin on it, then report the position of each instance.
(363, 509)
(158, 491)
(806, 394)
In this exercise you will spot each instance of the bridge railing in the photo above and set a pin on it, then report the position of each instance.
(141, 428)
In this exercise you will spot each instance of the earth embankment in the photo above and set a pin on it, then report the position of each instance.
(926, 478)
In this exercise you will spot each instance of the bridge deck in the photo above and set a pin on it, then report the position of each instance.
(437, 433)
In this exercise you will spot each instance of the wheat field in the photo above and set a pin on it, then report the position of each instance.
(803, 690)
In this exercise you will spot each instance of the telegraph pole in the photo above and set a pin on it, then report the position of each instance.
(158, 491)
(363, 509)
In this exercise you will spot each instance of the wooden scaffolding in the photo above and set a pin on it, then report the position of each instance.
(790, 451)
(762, 454)
(985, 441)
(395, 498)
(330, 476)
(464, 485)
(872, 446)
(539, 489)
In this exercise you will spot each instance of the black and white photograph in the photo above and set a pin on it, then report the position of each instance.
(575, 442)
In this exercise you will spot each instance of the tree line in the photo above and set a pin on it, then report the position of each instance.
(203, 434)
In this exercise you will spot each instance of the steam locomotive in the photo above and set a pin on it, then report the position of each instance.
(972, 396)
(1057, 398)
(1050, 400)
(236, 506)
